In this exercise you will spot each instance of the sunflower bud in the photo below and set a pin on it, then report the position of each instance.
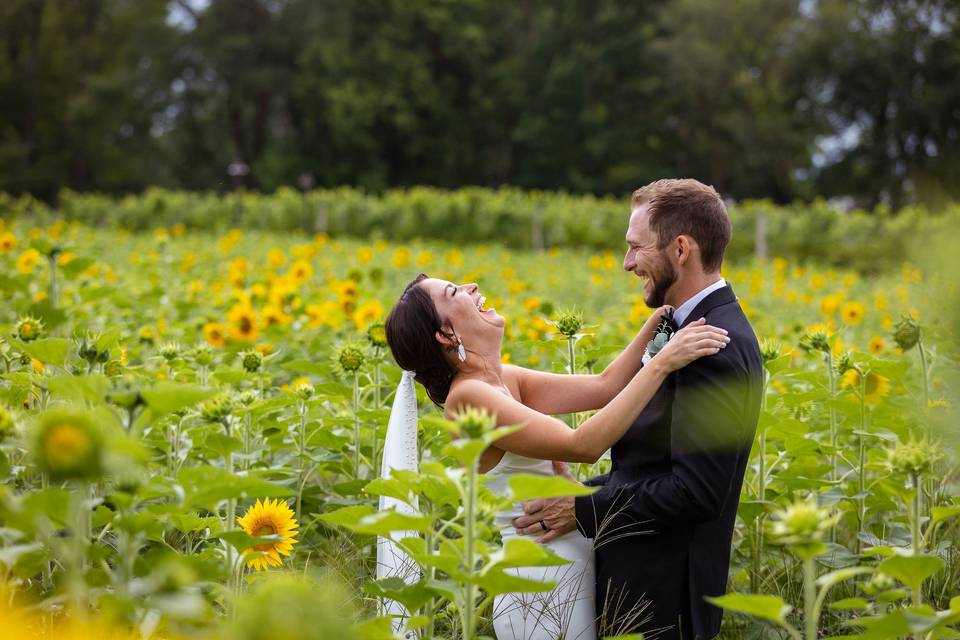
(246, 398)
(251, 361)
(569, 322)
(113, 368)
(217, 408)
(147, 335)
(802, 526)
(907, 333)
(170, 351)
(67, 445)
(474, 422)
(377, 335)
(815, 341)
(29, 328)
(770, 349)
(878, 582)
(304, 390)
(914, 457)
(202, 354)
(351, 358)
(845, 363)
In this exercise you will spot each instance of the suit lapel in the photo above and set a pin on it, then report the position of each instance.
(722, 296)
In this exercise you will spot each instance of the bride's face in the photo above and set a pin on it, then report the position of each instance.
(462, 306)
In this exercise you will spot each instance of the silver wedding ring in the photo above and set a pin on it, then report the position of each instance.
(543, 526)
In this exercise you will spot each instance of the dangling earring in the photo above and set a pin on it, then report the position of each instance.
(461, 352)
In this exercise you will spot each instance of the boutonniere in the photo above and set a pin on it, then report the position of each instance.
(665, 331)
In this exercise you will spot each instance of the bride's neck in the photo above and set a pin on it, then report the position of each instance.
(483, 365)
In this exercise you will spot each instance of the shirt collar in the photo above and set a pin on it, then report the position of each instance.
(681, 312)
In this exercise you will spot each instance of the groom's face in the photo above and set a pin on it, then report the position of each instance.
(647, 261)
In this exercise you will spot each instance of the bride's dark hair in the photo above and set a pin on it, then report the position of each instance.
(411, 327)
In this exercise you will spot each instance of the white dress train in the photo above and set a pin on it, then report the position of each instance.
(566, 612)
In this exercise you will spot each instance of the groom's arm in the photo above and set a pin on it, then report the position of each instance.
(706, 433)
(597, 481)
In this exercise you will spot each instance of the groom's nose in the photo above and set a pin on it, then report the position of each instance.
(629, 264)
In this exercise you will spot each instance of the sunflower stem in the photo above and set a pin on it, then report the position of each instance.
(834, 473)
(862, 463)
(810, 598)
(231, 506)
(761, 492)
(301, 454)
(356, 425)
(468, 609)
(375, 440)
(923, 373)
(916, 537)
(53, 281)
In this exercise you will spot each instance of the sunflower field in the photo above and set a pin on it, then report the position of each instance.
(191, 423)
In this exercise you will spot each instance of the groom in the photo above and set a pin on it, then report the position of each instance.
(663, 518)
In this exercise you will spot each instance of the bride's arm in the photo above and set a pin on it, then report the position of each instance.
(555, 393)
(550, 439)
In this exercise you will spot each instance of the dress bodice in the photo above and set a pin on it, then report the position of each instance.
(511, 464)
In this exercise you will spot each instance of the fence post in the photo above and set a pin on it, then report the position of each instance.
(760, 235)
(537, 230)
(320, 223)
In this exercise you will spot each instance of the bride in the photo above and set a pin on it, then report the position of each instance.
(442, 333)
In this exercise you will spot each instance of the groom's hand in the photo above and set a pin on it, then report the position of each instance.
(560, 518)
(558, 514)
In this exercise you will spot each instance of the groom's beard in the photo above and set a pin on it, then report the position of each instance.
(662, 281)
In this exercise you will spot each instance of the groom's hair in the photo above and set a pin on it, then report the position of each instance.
(687, 207)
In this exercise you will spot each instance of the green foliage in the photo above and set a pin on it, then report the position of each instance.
(840, 97)
(812, 232)
(142, 524)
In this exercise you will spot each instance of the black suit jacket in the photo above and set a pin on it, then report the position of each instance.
(663, 519)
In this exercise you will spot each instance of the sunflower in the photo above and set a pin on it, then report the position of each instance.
(276, 258)
(244, 323)
(326, 313)
(367, 314)
(269, 518)
(7, 241)
(876, 385)
(830, 303)
(28, 260)
(300, 271)
(401, 258)
(68, 445)
(273, 315)
(852, 312)
(876, 345)
(214, 333)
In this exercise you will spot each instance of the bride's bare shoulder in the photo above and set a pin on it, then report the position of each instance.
(464, 390)
(478, 393)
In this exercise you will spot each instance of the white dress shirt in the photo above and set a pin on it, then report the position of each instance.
(680, 313)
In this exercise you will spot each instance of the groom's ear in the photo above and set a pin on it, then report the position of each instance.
(683, 249)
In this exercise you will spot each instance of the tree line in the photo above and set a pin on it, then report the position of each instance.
(778, 99)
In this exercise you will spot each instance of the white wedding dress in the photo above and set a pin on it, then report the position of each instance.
(567, 612)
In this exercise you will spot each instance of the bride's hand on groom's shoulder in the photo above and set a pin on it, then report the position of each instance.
(694, 341)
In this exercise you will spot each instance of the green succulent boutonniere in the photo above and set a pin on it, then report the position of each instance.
(665, 331)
